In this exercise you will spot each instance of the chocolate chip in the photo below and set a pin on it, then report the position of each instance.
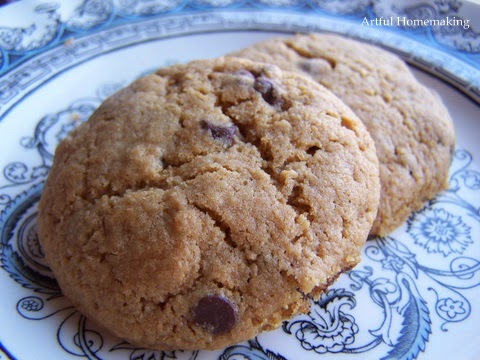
(224, 134)
(215, 314)
(268, 90)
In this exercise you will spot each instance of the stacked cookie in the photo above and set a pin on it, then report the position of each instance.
(210, 201)
(411, 128)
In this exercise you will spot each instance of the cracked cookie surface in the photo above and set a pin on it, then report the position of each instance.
(207, 202)
(411, 128)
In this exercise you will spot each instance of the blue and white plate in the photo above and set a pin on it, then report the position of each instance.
(415, 295)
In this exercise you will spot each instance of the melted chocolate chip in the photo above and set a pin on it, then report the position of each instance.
(268, 90)
(224, 134)
(215, 314)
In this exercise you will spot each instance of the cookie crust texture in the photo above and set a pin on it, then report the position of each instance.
(411, 127)
(220, 184)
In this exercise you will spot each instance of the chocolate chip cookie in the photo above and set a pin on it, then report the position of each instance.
(207, 202)
(411, 128)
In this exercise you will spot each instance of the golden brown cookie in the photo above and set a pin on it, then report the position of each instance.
(411, 128)
(207, 202)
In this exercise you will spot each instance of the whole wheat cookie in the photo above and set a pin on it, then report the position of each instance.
(411, 128)
(207, 202)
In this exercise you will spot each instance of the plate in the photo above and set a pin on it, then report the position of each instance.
(415, 293)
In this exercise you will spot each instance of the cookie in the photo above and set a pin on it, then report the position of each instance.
(411, 128)
(207, 202)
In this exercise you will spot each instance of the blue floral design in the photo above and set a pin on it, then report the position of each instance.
(451, 308)
(328, 329)
(253, 351)
(406, 324)
(31, 304)
(439, 231)
(145, 354)
(392, 263)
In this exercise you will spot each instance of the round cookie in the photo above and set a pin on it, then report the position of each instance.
(411, 128)
(207, 202)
